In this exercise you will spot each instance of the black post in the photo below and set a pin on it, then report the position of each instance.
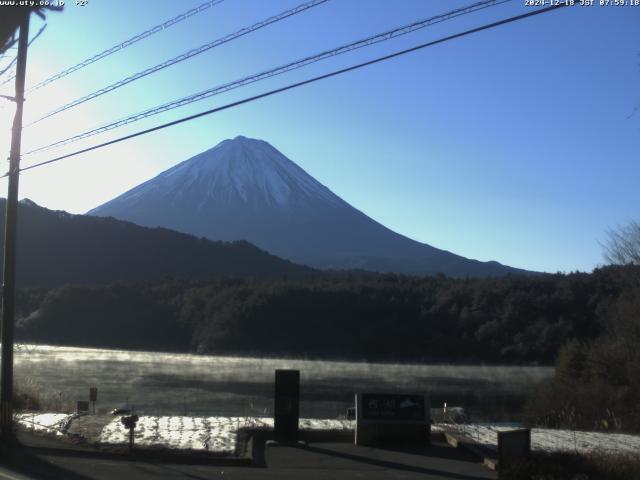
(286, 405)
(93, 396)
(129, 422)
(9, 276)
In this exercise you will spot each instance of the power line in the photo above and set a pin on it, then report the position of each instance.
(9, 65)
(8, 79)
(16, 58)
(381, 37)
(38, 34)
(136, 38)
(184, 56)
(298, 84)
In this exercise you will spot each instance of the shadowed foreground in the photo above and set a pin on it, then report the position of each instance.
(42, 458)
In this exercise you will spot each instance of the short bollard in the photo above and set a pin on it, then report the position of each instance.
(513, 445)
(130, 422)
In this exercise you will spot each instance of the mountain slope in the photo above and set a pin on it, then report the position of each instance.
(246, 189)
(56, 248)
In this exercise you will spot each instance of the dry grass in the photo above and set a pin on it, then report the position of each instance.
(30, 396)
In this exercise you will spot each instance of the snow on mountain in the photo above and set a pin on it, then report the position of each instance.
(245, 189)
(240, 169)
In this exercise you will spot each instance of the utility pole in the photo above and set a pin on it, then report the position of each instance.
(10, 241)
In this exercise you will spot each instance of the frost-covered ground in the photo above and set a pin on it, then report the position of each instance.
(551, 440)
(44, 422)
(219, 434)
(211, 434)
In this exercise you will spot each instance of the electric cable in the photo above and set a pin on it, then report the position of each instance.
(16, 58)
(381, 37)
(182, 57)
(127, 43)
(298, 84)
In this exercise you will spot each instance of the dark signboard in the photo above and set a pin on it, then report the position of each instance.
(82, 406)
(93, 394)
(393, 407)
(286, 405)
(513, 445)
(392, 419)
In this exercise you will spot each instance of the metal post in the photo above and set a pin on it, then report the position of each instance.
(286, 410)
(9, 276)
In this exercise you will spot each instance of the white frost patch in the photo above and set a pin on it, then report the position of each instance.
(44, 422)
(216, 434)
(438, 428)
(327, 425)
(212, 434)
(551, 440)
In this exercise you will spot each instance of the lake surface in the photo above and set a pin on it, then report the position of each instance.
(178, 384)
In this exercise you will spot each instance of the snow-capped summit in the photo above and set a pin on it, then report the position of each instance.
(245, 189)
(239, 170)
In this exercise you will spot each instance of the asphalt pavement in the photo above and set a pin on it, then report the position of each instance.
(49, 459)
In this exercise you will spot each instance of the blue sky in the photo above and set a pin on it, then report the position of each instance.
(512, 144)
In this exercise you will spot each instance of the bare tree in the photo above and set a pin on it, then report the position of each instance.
(622, 246)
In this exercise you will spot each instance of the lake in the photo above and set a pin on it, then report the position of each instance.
(171, 384)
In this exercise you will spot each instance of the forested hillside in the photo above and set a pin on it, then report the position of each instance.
(597, 380)
(383, 317)
(57, 248)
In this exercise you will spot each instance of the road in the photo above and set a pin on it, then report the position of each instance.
(338, 460)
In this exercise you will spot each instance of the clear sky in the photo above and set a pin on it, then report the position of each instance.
(512, 144)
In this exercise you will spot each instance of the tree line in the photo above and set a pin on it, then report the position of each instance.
(353, 316)
(597, 379)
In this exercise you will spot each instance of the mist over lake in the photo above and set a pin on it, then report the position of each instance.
(166, 383)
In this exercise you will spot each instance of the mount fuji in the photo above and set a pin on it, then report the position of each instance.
(245, 189)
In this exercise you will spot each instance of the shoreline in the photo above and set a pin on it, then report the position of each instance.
(409, 362)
